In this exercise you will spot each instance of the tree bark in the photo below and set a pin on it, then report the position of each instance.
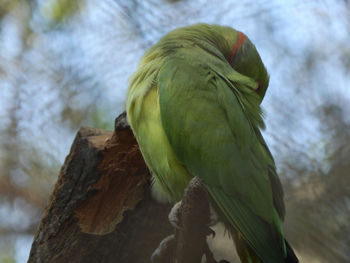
(101, 209)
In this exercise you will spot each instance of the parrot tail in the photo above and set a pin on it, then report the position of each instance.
(247, 255)
(291, 257)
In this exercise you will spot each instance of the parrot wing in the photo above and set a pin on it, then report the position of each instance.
(212, 129)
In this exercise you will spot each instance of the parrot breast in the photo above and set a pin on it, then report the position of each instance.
(169, 177)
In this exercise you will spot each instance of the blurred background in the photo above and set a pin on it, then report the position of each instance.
(66, 63)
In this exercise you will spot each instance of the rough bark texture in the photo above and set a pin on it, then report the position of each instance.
(101, 209)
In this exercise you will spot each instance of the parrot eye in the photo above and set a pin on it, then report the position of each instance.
(259, 87)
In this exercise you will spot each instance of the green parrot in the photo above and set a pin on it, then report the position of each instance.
(194, 107)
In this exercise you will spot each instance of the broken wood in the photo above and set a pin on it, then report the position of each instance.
(101, 209)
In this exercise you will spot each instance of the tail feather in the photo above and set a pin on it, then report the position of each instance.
(291, 257)
(244, 251)
(247, 255)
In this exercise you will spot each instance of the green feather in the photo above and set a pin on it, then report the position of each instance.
(195, 114)
(212, 137)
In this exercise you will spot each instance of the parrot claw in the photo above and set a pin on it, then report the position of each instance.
(210, 232)
(174, 215)
(213, 217)
(164, 252)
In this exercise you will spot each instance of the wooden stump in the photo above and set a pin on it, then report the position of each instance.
(101, 209)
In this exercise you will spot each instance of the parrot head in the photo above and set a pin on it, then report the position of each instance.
(242, 55)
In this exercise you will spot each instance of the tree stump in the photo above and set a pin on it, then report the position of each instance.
(101, 208)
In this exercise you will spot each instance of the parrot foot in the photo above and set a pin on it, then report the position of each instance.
(165, 251)
(174, 215)
(213, 217)
(192, 218)
(210, 232)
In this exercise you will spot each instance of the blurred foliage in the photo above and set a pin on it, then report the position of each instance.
(318, 199)
(58, 11)
(64, 64)
(6, 6)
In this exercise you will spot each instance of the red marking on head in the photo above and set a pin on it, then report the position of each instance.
(239, 43)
